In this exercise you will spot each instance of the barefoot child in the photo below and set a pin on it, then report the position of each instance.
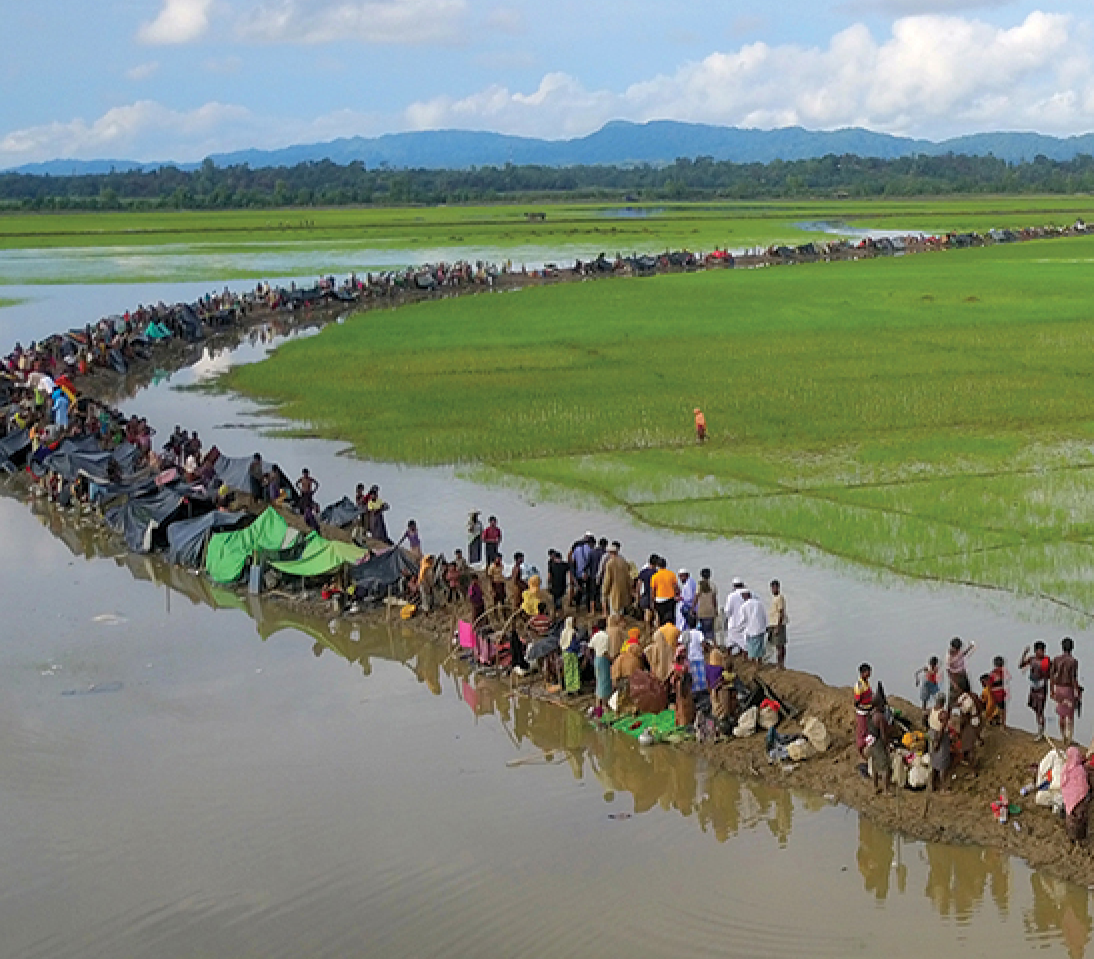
(927, 679)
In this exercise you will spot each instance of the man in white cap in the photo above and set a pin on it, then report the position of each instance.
(688, 591)
(734, 624)
(616, 582)
(753, 617)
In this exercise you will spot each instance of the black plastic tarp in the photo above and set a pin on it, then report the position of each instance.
(186, 538)
(144, 521)
(341, 514)
(234, 472)
(381, 572)
(73, 459)
(13, 450)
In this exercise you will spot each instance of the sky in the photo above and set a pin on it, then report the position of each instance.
(158, 80)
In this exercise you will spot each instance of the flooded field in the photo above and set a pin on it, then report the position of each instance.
(189, 772)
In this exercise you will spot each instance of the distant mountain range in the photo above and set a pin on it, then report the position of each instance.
(617, 143)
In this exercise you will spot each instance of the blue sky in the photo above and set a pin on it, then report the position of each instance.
(179, 79)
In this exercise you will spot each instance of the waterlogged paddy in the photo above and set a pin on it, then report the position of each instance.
(186, 771)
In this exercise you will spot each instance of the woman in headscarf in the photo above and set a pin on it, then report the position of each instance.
(474, 538)
(681, 684)
(534, 595)
(475, 597)
(629, 661)
(571, 665)
(1075, 787)
(425, 582)
(616, 636)
(661, 652)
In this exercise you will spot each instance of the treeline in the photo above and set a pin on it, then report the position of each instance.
(325, 183)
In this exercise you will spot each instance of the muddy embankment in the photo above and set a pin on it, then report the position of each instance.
(961, 814)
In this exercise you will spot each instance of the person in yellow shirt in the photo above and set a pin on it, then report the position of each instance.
(666, 590)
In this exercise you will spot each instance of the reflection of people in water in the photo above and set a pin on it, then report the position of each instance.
(875, 857)
(1061, 907)
(958, 876)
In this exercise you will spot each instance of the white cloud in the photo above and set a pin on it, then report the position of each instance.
(142, 71)
(370, 21)
(180, 21)
(933, 76)
(141, 130)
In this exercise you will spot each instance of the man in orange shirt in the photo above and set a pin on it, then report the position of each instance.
(666, 589)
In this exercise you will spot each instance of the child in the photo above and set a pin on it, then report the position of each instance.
(927, 680)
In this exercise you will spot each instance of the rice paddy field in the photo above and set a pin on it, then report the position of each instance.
(931, 415)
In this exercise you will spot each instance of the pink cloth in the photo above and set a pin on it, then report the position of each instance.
(467, 635)
(1073, 782)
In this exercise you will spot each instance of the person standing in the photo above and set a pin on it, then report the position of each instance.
(474, 538)
(645, 589)
(600, 644)
(956, 668)
(754, 618)
(1039, 666)
(616, 585)
(517, 585)
(558, 574)
(706, 605)
(581, 557)
(700, 426)
(666, 589)
(734, 624)
(491, 540)
(308, 487)
(1063, 682)
(776, 624)
(255, 475)
(688, 592)
(864, 705)
(377, 525)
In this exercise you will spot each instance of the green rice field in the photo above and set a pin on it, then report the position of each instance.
(931, 415)
(616, 225)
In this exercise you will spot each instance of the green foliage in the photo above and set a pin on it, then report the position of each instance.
(324, 183)
(930, 415)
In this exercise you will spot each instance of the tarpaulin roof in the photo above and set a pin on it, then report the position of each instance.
(12, 447)
(384, 571)
(139, 519)
(227, 553)
(155, 331)
(342, 513)
(186, 538)
(320, 557)
(71, 459)
(234, 471)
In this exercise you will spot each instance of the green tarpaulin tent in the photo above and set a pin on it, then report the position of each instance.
(227, 553)
(320, 557)
(156, 331)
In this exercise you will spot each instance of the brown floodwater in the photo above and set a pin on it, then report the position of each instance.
(185, 772)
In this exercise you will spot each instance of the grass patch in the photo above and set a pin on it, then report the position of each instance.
(930, 415)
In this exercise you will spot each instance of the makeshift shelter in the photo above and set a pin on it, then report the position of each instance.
(13, 450)
(235, 471)
(155, 331)
(319, 557)
(382, 572)
(186, 539)
(84, 458)
(227, 554)
(143, 521)
(342, 514)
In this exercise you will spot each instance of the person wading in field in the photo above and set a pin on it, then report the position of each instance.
(700, 426)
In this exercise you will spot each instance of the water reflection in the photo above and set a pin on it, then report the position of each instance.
(963, 886)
